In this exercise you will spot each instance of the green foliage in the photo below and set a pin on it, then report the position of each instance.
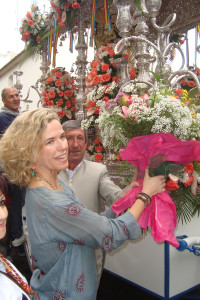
(186, 203)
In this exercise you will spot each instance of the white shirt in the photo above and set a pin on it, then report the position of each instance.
(8, 289)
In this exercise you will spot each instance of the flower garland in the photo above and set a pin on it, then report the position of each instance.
(59, 92)
(33, 29)
(102, 79)
(66, 12)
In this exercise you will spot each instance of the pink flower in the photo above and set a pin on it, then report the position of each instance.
(28, 14)
(125, 111)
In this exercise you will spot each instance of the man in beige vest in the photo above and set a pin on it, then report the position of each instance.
(89, 180)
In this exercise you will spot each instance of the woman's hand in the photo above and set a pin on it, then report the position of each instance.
(153, 185)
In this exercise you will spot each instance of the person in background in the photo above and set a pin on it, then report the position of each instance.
(63, 232)
(10, 110)
(13, 285)
(89, 180)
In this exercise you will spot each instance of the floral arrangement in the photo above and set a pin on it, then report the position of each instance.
(33, 28)
(95, 150)
(59, 92)
(127, 116)
(160, 111)
(102, 79)
(188, 82)
(66, 12)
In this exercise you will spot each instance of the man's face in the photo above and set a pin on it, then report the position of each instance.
(77, 145)
(11, 99)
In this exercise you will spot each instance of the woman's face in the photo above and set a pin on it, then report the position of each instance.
(3, 215)
(54, 154)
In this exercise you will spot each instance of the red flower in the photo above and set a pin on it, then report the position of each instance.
(97, 141)
(191, 83)
(35, 7)
(75, 5)
(73, 100)
(104, 67)
(95, 63)
(98, 157)
(96, 80)
(58, 74)
(68, 104)
(52, 4)
(30, 22)
(44, 93)
(38, 39)
(172, 185)
(99, 149)
(58, 82)
(51, 94)
(125, 56)
(59, 18)
(189, 168)
(49, 80)
(132, 74)
(61, 25)
(182, 42)
(183, 82)
(105, 99)
(50, 103)
(26, 35)
(58, 10)
(189, 181)
(115, 78)
(197, 70)
(179, 91)
(67, 5)
(68, 93)
(46, 99)
(67, 83)
(111, 53)
(93, 72)
(118, 157)
(61, 113)
(60, 93)
(28, 14)
(97, 110)
(106, 77)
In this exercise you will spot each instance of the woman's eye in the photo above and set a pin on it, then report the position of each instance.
(2, 202)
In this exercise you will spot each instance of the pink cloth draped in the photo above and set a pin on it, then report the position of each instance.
(161, 214)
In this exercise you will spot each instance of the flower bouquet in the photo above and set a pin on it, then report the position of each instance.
(166, 155)
(102, 80)
(33, 29)
(163, 110)
(66, 12)
(59, 92)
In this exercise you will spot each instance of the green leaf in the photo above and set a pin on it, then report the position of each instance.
(156, 75)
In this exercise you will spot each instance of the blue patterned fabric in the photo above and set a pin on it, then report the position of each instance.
(63, 235)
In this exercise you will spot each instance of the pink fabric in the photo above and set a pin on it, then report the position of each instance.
(161, 214)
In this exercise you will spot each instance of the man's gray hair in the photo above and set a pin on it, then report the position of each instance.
(74, 124)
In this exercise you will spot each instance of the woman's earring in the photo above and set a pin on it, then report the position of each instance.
(33, 171)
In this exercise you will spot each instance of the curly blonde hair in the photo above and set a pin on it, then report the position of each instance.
(21, 143)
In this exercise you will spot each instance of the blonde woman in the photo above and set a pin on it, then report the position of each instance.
(62, 232)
